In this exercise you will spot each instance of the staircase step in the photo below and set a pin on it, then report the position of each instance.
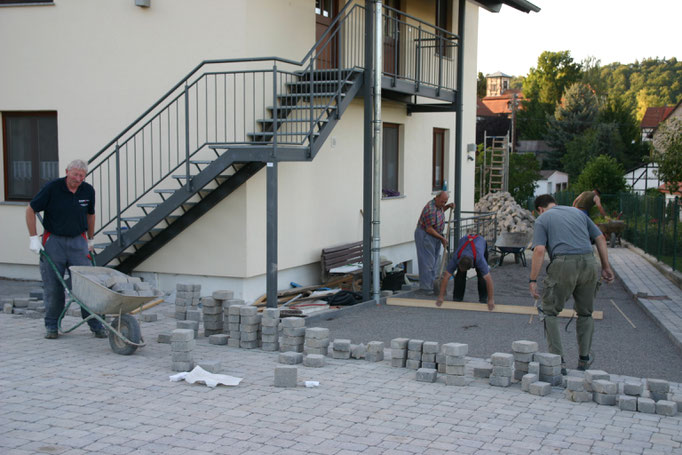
(318, 86)
(182, 176)
(284, 121)
(324, 75)
(268, 134)
(148, 205)
(165, 191)
(200, 161)
(293, 108)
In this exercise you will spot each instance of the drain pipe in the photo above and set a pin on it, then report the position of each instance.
(376, 207)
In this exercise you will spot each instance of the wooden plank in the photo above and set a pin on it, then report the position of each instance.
(471, 306)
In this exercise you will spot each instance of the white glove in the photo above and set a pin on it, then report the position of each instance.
(36, 244)
(91, 244)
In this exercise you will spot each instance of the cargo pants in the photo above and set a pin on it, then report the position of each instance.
(576, 275)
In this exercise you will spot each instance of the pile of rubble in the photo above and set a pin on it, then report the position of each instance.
(511, 217)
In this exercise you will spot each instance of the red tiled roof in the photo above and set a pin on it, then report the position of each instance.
(482, 110)
(501, 104)
(655, 115)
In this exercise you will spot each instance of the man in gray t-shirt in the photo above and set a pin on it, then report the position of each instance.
(565, 233)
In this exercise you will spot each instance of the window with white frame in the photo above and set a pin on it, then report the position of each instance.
(391, 169)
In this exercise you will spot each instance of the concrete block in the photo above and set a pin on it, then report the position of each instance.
(521, 366)
(340, 355)
(314, 360)
(483, 371)
(413, 364)
(270, 347)
(233, 342)
(502, 371)
(456, 349)
(182, 356)
(524, 346)
(272, 314)
(35, 304)
(286, 376)
(603, 386)
(215, 310)
(453, 369)
(658, 396)
(191, 325)
(398, 363)
(341, 344)
(415, 345)
(292, 322)
(646, 405)
(149, 317)
(248, 336)
(605, 399)
(219, 339)
(430, 365)
(248, 310)
(294, 348)
(317, 333)
(518, 375)
(550, 371)
(269, 338)
(554, 380)
(547, 359)
(399, 343)
(183, 345)
(399, 353)
(36, 294)
(575, 384)
(265, 330)
(319, 351)
(209, 302)
(182, 366)
(118, 287)
(358, 351)
(290, 358)
(658, 385)
(502, 359)
(113, 280)
(527, 380)
(316, 342)
(249, 344)
(499, 381)
(540, 388)
(455, 360)
(677, 398)
(376, 346)
(164, 337)
(233, 302)
(627, 403)
(294, 331)
(249, 327)
(578, 397)
(182, 335)
(292, 340)
(180, 315)
(251, 320)
(184, 287)
(426, 375)
(234, 310)
(7, 308)
(430, 347)
(213, 326)
(523, 357)
(222, 295)
(666, 408)
(414, 355)
(593, 375)
(440, 358)
(428, 358)
(458, 381)
(376, 357)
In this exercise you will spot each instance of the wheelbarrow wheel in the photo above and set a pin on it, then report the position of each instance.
(129, 329)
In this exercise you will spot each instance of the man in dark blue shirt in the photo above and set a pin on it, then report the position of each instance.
(68, 204)
(472, 251)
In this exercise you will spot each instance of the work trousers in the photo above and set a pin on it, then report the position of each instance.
(461, 283)
(576, 275)
(428, 250)
(64, 252)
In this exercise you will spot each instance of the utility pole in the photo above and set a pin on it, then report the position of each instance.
(515, 102)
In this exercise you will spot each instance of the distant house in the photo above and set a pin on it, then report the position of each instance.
(643, 178)
(551, 182)
(540, 149)
(652, 118)
(494, 111)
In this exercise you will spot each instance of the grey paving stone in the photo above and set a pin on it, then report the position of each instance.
(523, 357)
(627, 403)
(182, 335)
(456, 349)
(272, 314)
(524, 346)
(457, 381)
(286, 376)
(293, 322)
(321, 351)
(358, 351)
(430, 347)
(431, 365)
(317, 333)
(658, 385)
(222, 295)
(415, 345)
(294, 332)
(550, 370)
(375, 346)
(399, 343)
(527, 380)
(233, 342)
(603, 386)
(604, 398)
(426, 375)
(182, 366)
(182, 356)
(270, 347)
(455, 360)
(499, 381)
(453, 369)
(502, 371)
(398, 363)
(314, 360)
(317, 342)
(340, 355)
(666, 408)
(547, 359)
(220, 339)
(633, 388)
(593, 375)
(290, 358)
(164, 337)
(483, 371)
(413, 364)
(578, 396)
(248, 336)
(502, 359)
(428, 358)
(414, 355)
(540, 388)
(575, 384)
(646, 405)
(658, 396)
(248, 310)
(341, 344)
(249, 344)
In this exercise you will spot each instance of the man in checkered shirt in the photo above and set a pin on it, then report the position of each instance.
(428, 237)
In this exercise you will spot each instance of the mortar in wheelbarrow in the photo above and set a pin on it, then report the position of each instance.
(513, 243)
(86, 286)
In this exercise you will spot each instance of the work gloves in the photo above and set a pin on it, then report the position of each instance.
(36, 244)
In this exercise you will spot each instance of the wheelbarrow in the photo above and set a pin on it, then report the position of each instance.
(613, 231)
(512, 243)
(87, 291)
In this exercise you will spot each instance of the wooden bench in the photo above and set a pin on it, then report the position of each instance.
(342, 256)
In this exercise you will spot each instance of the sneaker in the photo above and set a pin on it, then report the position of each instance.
(101, 334)
(585, 364)
(51, 335)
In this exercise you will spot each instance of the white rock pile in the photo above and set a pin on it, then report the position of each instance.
(511, 217)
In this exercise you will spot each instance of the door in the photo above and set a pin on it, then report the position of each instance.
(327, 51)
(391, 37)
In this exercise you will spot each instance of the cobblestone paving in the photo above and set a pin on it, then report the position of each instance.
(75, 396)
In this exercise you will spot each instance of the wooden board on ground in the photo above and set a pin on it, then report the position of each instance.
(471, 306)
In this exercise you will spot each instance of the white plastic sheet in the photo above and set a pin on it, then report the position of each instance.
(198, 374)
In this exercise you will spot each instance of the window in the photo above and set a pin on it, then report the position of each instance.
(390, 173)
(438, 168)
(30, 149)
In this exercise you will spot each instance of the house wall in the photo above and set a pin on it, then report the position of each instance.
(320, 202)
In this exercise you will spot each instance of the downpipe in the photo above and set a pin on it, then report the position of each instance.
(376, 205)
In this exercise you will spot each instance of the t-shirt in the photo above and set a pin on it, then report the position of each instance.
(65, 212)
(564, 230)
(432, 216)
(465, 247)
(585, 201)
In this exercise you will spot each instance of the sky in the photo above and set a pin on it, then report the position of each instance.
(611, 30)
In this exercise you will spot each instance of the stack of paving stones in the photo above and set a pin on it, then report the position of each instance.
(182, 345)
(212, 312)
(341, 349)
(186, 296)
(270, 329)
(233, 323)
(659, 391)
(632, 391)
(293, 334)
(190, 325)
(576, 390)
(249, 327)
(414, 354)
(550, 367)
(429, 351)
(316, 341)
(604, 392)
(455, 363)
(594, 375)
(503, 366)
(523, 351)
(375, 352)
(399, 352)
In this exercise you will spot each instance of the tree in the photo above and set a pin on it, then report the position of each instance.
(575, 115)
(668, 153)
(524, 171)
(554, 73)
(602, 172)
(531, 119)
(481, 85)
(615, 111)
